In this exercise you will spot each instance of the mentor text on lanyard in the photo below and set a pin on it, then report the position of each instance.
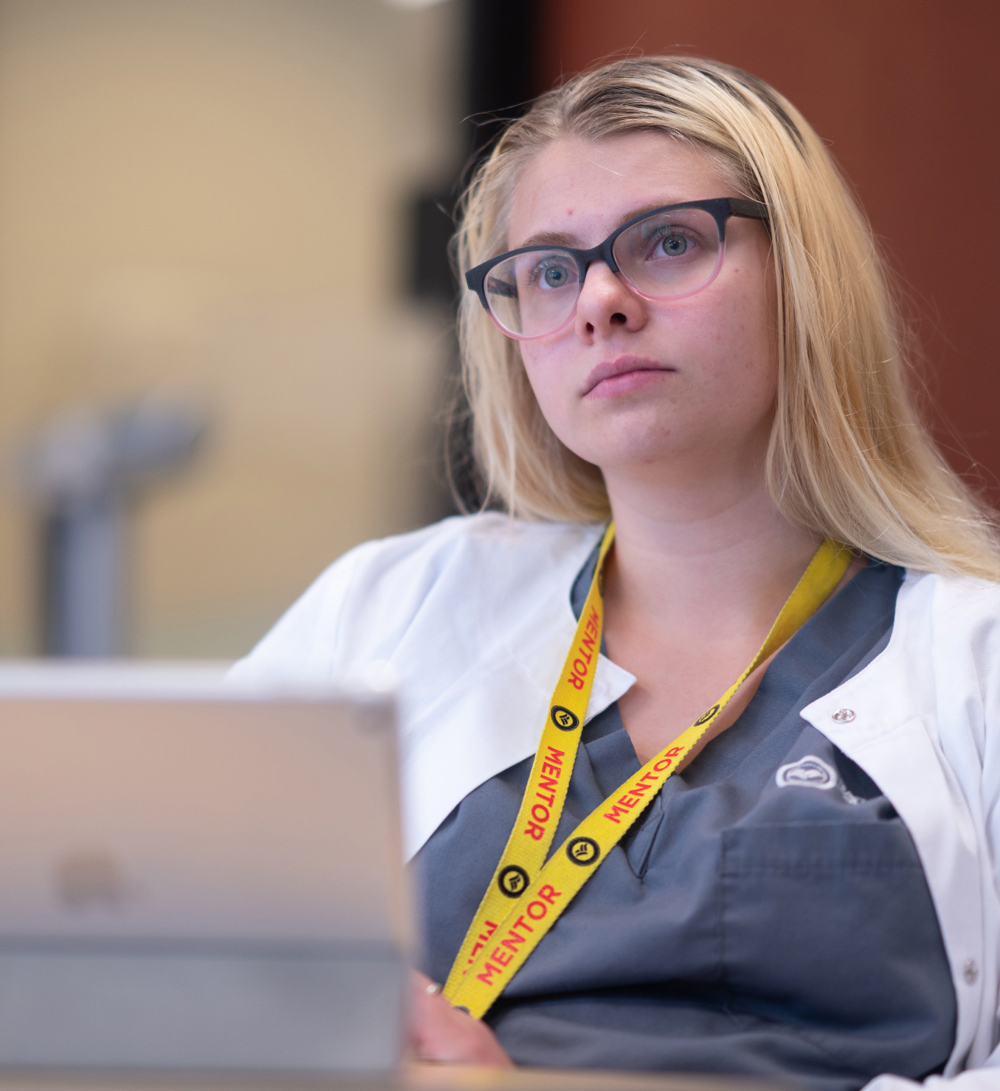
(526, 895)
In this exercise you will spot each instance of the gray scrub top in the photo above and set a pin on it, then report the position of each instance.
(768, 915)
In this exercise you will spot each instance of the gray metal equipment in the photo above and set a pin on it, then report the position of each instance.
(85, 470)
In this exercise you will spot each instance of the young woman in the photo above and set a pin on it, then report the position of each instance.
(712, 787)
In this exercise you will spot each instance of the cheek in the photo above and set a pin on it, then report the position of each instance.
(746, 339)
(543, 373)
(549, 373)
(762, 336)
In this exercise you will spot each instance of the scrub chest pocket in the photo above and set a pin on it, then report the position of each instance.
(827, 918)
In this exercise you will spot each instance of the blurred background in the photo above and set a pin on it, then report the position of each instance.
(225, 347)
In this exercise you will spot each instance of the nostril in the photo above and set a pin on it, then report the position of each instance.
(619, 318)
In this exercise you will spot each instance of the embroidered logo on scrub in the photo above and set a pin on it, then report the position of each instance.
(807, 772)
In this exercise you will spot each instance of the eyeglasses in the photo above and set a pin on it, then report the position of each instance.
(669, 253)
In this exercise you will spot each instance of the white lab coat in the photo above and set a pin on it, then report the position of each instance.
(473, 615)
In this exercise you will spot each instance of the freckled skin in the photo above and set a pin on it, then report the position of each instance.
(714, 407)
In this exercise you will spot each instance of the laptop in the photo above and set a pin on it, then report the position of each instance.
(196, 874)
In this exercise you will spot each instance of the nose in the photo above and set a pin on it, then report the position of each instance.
(607, 305)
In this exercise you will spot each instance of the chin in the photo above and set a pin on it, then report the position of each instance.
(638, 457)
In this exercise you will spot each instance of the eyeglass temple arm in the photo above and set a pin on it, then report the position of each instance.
(475, 279)
(753, 210)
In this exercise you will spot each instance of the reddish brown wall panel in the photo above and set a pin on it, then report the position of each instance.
(907, 93)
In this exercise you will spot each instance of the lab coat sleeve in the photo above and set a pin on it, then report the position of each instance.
(986, 1078)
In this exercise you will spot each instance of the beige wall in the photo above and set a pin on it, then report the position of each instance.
(203, 197)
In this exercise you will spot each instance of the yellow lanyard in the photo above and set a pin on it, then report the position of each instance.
(526, 895)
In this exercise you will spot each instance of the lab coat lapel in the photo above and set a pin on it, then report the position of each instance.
(491, 717)
(889, 731)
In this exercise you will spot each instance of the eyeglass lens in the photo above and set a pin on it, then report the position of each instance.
(665, 256)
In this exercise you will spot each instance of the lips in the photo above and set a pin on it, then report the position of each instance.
(623, 365)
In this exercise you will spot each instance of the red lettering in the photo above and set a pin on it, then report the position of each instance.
(548, 800)
(481, 940)
(543, 817)
(587, 644)
(674, 751)
(615, 812)
(487, 977)
(542, 907)
(534, 831)
(639, 790)
(498, 955)
(551, 771)
(521, 923)
(549, 893)
(580, 667)
(513, 940)
(555, 756)
(626, 802)
(663, 763)
(549, 784)
(576, 683)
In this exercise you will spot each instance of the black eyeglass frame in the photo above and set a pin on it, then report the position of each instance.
(719, 208)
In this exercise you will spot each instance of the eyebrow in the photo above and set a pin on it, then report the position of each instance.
(558, 238)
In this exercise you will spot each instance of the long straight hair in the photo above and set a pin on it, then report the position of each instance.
(848, 457)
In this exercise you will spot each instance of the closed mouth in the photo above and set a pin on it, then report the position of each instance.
(624, 365)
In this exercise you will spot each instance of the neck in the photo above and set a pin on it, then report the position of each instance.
(700, 554)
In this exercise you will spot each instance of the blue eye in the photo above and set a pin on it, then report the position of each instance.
(545, 272)
(553, 274)
(675, 245)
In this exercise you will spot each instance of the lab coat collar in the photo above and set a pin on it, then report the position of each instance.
(492, 716)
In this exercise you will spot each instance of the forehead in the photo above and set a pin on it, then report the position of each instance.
(585, 188)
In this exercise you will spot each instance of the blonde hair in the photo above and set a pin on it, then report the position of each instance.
(848, 455)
